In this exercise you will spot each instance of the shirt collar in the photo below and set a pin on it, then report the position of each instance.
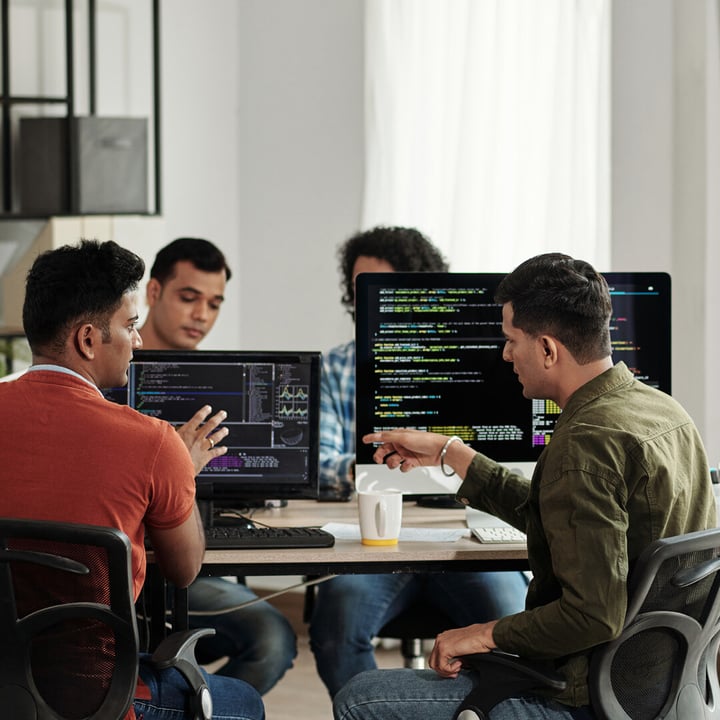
(613, 378)
(49, 367)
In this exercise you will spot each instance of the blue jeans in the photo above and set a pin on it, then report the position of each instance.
(350, 610)
(410, 694)
(232, 699)
(258, 639)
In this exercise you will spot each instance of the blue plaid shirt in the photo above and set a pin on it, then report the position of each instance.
(337, 422)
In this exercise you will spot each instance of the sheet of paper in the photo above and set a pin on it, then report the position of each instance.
(348, 531)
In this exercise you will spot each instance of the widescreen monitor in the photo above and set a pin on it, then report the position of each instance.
(272, 401)
(429, 356)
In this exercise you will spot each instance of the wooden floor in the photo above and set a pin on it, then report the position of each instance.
(300, 695)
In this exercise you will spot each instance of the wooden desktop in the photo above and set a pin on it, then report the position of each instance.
(350, 556)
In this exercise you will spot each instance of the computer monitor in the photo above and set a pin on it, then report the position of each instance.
(272, 401)
(429, 356)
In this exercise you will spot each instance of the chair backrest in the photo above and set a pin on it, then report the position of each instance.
(420, 621)
(68, 634)
(664, 664)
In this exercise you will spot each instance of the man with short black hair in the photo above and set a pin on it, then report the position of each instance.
(625, 466)
(184, 294)
(69, 455)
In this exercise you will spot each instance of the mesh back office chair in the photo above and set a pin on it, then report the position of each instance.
(68, 633)
(663, 666)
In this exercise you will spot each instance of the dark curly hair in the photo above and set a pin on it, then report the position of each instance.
(74, 284)
(557, 295)
(406, 249)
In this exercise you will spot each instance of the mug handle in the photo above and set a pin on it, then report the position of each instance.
(381, 517)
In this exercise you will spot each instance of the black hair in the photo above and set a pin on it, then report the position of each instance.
(74, 284)
(557, 295)
(406, 249)
(201, 253)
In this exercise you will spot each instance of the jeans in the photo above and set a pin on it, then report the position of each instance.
(411, 694)
(350, 610)
(232, 699)
(258, 639)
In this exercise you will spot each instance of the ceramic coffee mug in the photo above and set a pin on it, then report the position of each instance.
(380, 515)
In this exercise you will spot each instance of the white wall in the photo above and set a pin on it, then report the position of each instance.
(642, 134)
(665, 160)
(263, 123)
(301, 166)
(710, 385)
(200, 116)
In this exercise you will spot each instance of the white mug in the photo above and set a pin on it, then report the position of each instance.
(380, 515)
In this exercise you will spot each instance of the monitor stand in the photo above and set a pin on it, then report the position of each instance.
(443, 502)
(206, 512)
(211, 514)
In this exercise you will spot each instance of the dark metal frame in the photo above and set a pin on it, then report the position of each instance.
(7, 100)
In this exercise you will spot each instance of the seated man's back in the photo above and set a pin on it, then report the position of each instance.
(70, 455)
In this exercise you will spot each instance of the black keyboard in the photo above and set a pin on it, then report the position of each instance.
(237, 537)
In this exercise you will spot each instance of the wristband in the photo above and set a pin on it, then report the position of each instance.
(443, 452)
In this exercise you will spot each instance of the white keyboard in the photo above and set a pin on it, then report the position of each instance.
(503, 534)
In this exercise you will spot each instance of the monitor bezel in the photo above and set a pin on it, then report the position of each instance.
(233, 492)
(366, 282)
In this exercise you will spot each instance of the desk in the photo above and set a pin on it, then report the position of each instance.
(347, 556)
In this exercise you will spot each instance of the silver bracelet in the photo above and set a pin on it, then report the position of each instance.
(443, 452)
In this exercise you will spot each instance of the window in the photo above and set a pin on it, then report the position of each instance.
(487, 126)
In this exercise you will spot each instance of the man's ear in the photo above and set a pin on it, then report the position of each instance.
(86, 337)
(153, 291)
(550, 350)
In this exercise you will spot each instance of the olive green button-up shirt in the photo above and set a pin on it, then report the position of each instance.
(625, 466)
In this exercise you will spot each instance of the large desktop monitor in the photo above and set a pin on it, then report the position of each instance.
(429, 356)
(272, 401)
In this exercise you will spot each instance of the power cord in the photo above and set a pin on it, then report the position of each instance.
(223, 611)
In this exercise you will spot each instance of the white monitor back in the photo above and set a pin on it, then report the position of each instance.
(419, 481)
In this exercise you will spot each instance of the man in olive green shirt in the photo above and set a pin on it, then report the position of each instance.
(625, 466)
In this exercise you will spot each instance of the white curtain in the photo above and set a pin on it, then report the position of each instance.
(487, 126)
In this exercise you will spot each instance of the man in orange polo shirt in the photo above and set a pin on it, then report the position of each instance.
(70, 455)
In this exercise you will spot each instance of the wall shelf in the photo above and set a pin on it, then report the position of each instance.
(10, 208)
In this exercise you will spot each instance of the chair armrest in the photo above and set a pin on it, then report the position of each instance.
(178, 651)
(501, 676)
(178, 645)
(541, 673)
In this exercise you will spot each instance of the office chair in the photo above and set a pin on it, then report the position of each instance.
(419, 622)
(68, 632)
(663, 665)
